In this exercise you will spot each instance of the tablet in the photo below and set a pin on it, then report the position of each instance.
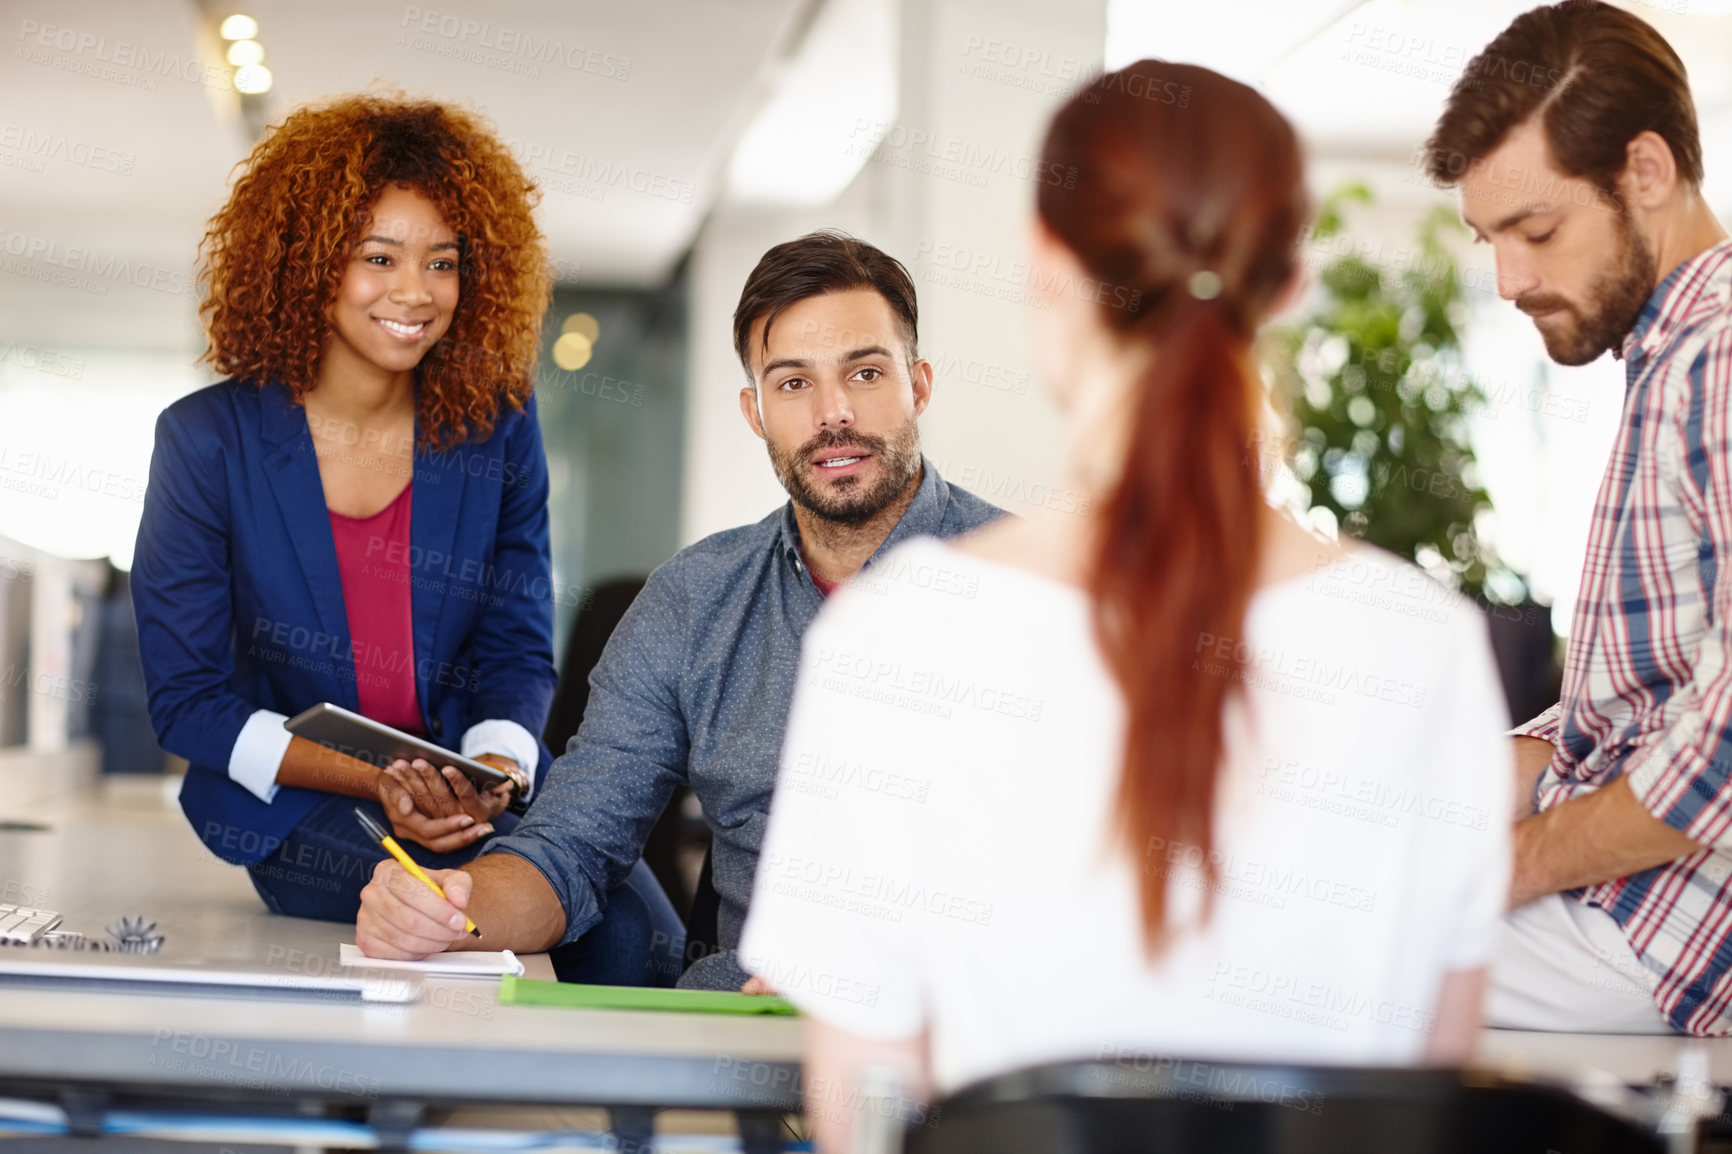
(367, 740)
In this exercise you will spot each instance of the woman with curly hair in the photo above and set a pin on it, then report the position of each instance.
(359, 513)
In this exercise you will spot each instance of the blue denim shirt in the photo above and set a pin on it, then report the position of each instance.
(695, 687)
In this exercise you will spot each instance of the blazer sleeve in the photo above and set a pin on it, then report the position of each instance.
(512, 641)
(183, 599)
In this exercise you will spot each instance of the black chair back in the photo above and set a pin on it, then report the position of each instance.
(703, 919)
(1170, 1106)
(597, 617)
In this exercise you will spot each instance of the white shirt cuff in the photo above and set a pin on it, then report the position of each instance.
(258, 753)
(507, 738)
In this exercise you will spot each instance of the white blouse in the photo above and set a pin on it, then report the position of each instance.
(942, 852)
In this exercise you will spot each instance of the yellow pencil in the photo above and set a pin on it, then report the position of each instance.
(378, 834)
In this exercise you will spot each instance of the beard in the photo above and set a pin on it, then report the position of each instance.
(848, 500)
(1614, 303)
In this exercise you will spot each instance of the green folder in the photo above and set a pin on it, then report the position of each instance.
(515, 991)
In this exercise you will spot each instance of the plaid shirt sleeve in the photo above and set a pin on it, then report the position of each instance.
(1680, 766)
(1545, 726)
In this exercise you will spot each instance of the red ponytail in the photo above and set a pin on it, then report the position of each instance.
(1177, 556)
(1178, 202)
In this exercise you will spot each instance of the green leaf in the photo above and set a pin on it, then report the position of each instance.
(1404, 355)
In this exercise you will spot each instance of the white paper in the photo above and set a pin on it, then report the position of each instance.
(456, 963)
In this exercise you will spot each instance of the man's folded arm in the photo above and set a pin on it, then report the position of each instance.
(1673, 796)
(1591, 838)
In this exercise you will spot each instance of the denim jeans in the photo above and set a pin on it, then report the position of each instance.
(319, 871)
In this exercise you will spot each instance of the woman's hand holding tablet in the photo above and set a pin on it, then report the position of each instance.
(440, 809)
(433, 796)
(428, 805)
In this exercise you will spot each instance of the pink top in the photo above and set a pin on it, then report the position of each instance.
(372, 556)
(825, 588)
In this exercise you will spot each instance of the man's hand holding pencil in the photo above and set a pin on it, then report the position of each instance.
(413, 912)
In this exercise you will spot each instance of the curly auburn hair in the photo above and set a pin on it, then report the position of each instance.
(273, 257)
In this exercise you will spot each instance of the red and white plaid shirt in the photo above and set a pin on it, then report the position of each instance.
(1647, 688)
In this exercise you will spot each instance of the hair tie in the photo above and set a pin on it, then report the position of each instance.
(1204, 284)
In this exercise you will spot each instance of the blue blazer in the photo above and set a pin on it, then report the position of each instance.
(240, 605)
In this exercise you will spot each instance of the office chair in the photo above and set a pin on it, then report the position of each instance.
(1162, 1105)
(598, 615)
(703, 929)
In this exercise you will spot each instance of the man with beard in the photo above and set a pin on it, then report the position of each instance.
(1573, 141)
(696, 682)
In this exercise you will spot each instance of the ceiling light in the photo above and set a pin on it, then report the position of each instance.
(582, 323)
(572, 351)
(245, 52)
(253, 79)
(238, 27)
(813, 136)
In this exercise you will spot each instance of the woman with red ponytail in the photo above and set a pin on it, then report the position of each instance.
(1169, 776)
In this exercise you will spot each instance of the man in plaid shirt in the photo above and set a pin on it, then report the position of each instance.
(1572, 139)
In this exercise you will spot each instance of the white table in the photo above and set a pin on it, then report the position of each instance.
(1634, 1059)
(125, 849)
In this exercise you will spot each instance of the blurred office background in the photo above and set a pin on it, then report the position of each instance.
(674, 141)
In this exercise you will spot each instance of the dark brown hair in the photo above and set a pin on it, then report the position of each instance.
(1595, 74)
(276, 253)
(822, 262)
(1191, 194)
